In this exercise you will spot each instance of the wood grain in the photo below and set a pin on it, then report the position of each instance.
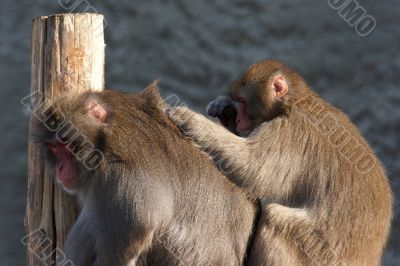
(67, 56)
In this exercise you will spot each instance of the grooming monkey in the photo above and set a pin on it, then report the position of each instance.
(153, 198)
(326, 199)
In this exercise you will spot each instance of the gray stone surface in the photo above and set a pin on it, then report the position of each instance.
(196, 49)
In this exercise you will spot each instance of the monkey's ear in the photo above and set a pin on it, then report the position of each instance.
(96, 111)
(152, 94)
(280, 86)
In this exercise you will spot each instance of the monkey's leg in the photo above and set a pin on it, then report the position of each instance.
(272, 244)
(295, 238)
(270, 248)
(80, 245)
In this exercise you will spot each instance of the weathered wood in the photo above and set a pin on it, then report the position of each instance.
(67, 55)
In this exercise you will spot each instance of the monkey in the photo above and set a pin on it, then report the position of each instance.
(325, 196)
(147, 195)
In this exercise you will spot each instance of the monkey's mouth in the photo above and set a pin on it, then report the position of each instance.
(66, 165)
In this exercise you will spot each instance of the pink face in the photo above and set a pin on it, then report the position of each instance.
(66, 166)
(243, 123)
(279, 88)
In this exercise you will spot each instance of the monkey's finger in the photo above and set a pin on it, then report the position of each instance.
(171, 111)
(211, 109)
(168, 110)
(222, 105)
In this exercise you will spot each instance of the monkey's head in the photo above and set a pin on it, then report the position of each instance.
(263, 93)
(87, 135)
(68, 130)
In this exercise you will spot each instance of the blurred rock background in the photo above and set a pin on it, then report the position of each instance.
(196, 49)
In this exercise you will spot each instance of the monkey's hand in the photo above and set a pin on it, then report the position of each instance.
(220, 107)
(224, 108)
(184, 118)
(213, 138)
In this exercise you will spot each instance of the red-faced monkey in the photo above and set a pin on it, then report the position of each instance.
(326, 199)
(148, 196)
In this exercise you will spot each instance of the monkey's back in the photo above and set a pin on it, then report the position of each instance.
(212, 220)
(355, 194)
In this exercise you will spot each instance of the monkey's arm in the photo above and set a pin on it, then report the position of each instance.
(210, 136)
(245, 160)
(80, 245)
(295, 227)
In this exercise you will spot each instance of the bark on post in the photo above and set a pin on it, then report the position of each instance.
(67, 55)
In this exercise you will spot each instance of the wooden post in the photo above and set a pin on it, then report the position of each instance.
(67, 55)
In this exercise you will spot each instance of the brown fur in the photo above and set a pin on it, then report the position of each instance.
(155, 199)
(326, 197)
